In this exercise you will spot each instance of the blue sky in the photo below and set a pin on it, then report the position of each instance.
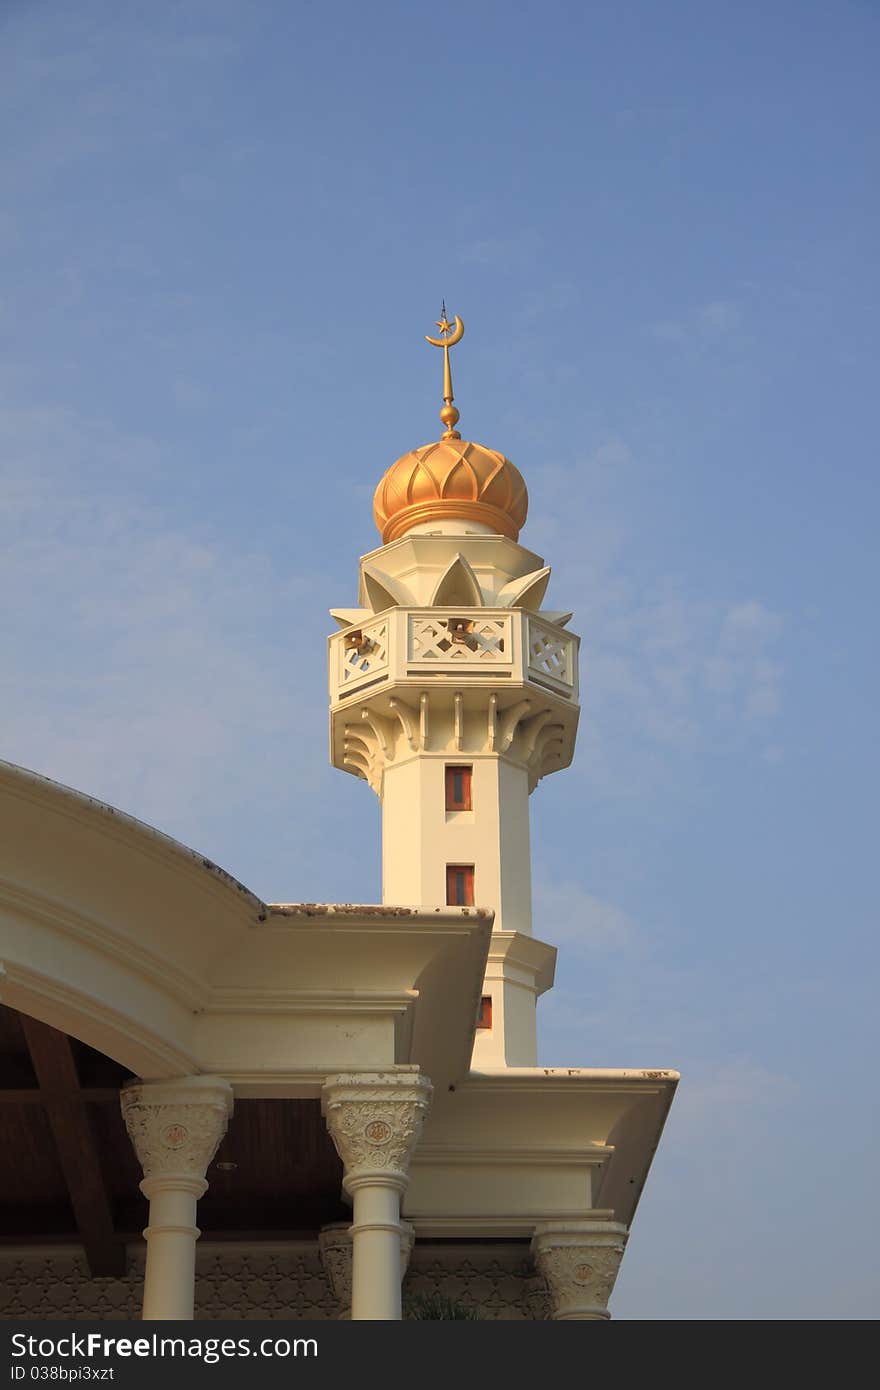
(224, 230)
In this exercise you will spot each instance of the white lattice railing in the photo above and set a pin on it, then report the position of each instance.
(449, 641)
(551, 654)
(406, 645)
(366, 660)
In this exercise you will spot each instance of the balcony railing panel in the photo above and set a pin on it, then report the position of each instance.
(412, 645)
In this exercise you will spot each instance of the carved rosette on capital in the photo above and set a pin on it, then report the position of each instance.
(579, 1263)
(375, 1120)
(335, 1246)
(176, 1126)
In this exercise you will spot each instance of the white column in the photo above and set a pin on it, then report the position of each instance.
(335, 1245)
(579, 1261)
(176, 1128)
(375, 1119)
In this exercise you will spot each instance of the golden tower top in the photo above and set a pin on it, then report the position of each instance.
(453, 479)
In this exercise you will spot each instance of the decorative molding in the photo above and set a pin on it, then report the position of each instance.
(531, 728)
(579, 1263)
(283, 1282)
(350, 617)
(501, 1226)
(445, 723)
(407, 717)
(510, 723)
(514, 955)
(334, 1246)
(236, 999)
(55, 1283)
(507, 575)
(407, 1243)
(275, 1281)
(361, 751)
(527, 591)
(457, 584)
(58, 916)
(380, 590)
(27, 989)
(629, 1081)
(176, 1126)
(375, 1120)
(497, 1281)
(384, 730)
(593, 1155)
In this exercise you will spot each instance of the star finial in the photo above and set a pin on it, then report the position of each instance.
(452, 334)
(443, 322)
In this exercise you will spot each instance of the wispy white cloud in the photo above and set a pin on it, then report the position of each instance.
(708, 323)
(728, 1100)
(189, 394)
(564, 913)
(663, 667)
(743, 665)
(143, 663)
(668, 331)
(505, 253)
(719, 317)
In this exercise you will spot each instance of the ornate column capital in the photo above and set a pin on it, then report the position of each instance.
(176, 1127)
(375, 1120)
(579, 1261)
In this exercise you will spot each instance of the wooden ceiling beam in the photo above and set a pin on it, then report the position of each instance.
(65, 1106)
(32, 1095)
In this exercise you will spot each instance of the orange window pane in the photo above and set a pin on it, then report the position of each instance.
(460, 885)
(458, 789)
(484, 1017)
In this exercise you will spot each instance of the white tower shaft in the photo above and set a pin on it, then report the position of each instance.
(422, 840)
(452, 695)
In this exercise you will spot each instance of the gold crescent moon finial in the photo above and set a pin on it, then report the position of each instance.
(452, 333)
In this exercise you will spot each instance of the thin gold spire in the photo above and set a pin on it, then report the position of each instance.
(452, 334)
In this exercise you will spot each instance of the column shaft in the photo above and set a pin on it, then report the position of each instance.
(169, 1277)
(375, 1233)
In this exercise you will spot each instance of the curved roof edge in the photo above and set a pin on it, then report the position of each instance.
(112, 821)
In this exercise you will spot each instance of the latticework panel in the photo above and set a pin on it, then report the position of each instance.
(461, 642)
(263, 1282)
(363, 654)
(551, 654)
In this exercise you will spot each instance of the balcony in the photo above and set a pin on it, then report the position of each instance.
(483, 647)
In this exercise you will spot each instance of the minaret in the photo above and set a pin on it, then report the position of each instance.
(452, 692)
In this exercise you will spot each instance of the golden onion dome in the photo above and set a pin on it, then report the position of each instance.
(453, 479)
